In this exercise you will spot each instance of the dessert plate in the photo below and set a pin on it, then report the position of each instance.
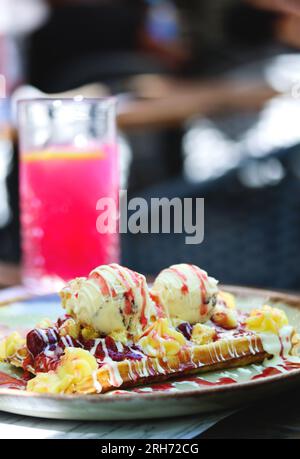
(190, 395)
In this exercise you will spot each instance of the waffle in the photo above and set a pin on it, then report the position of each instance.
(224, 354)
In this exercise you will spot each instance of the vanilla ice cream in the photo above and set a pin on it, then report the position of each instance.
(111, 298)
(186, 293)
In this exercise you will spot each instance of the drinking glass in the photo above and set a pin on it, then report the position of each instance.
(68, 161)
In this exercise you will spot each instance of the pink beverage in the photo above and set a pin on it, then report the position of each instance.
(59, 190)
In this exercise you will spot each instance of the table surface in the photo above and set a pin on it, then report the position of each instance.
(276, 417)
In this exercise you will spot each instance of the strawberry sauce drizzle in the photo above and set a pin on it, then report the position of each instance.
(267, 372)
(8, 382)
(157, 388)
(105, 288)
(158, 306)
(202, 278)
(143, 318)
(182, 277)
(140, 283)
(121, 276)
(129, 296)
(220, 382)
(129, 300)
(134, 276)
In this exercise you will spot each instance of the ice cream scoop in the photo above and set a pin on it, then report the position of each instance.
(112, 298)
(186, 292)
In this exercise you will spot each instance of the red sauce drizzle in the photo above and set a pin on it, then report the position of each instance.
(105, 288)
(220, 382)
(267, 372)
(138, 280)
(183, 278)
(128, 302)
(282, 347)
(158, 387)
(8, 382)
(289, 366)
(184, 289)
(134, 276)
(129, 297)
(202, 277)
(158, 306)
(143, 316)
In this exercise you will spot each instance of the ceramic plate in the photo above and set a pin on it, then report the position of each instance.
(195, 395)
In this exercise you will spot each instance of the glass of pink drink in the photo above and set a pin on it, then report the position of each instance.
(68, 161)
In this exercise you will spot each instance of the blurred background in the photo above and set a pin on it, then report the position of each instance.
(208, 106)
